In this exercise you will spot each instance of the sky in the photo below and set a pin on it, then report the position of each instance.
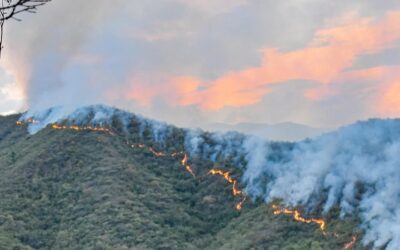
(321, 63)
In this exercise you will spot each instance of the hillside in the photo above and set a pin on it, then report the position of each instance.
(67, 188)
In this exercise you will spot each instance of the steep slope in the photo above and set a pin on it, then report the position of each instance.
(86, 189)
(91, 189)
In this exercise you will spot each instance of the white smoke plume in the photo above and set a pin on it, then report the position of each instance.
(97, 116)
(356, 168)
(361, 160)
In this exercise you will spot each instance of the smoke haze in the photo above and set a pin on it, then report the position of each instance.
(197, 62)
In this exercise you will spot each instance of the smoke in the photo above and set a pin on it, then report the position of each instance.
(47, 57)
(355, 168)
(134, 54)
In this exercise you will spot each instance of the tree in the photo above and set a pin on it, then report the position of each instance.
(10, 8)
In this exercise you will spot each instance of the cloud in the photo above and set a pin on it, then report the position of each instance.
(329, 54)
(54, 41)
(389, 103)
(219, 60)
(11, 98)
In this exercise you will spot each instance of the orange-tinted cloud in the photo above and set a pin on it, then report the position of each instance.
(324, 60)
(143, 92)
(387, 82)
(389, 103)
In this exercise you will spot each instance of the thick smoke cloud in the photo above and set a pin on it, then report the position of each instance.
(47, 56)
(356, 168)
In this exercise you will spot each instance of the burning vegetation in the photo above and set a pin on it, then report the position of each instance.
(235, 190)
(80, 128)
(351, 243)
(184, 162)
(28, 121)
(58, 126)
(298, 217)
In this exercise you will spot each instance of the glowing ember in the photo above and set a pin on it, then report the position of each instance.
(78, 128)
(239, 205)
(351, 243)
(235, 190)
(184, 161)
(228, 178)
(190, 170)
(186, 165)
(29, 121)
(157, 154)
(297, 216)
(69, 127)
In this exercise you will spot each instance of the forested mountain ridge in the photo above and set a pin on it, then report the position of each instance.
(86, 189)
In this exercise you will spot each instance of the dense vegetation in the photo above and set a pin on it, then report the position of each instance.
(62, 189)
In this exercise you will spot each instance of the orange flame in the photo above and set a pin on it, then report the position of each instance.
(70, 127)
(350, 244)
(190, 170)
(78, 128)
(235, 190)
(184, 160)
(228, 178)
(29, 121)
(184, 163)
(239, 205)
(297, 216)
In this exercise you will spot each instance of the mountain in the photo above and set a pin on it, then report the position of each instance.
(102, 178)
(286, 131)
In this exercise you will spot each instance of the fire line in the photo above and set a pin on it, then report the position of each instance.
(78, 128)
(351, 243)
(235, 191)
(58, 126)
(184, 161)
(297, 217)
(29, 121)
